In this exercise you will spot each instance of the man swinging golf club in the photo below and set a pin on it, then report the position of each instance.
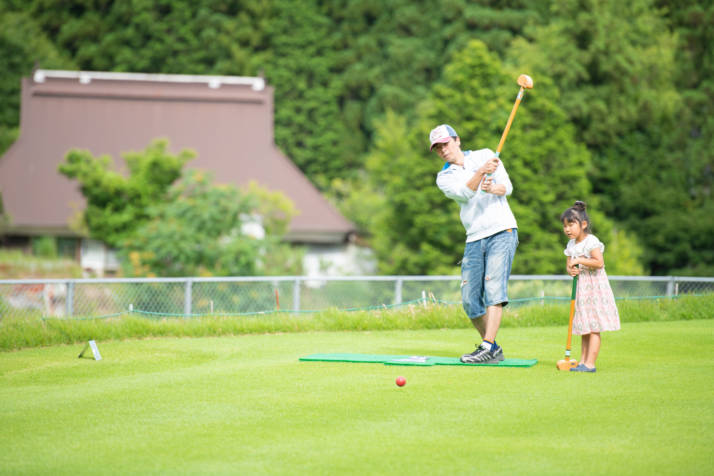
(491, 229)
(491, 234)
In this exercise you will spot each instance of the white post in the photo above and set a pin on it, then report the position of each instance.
(69, 303)
(296, 295)
(398, 291)
(670, 286)
(187, 298)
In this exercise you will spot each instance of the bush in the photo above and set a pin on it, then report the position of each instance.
(44, 247)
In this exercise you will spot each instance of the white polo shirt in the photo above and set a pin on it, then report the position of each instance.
(482, 214)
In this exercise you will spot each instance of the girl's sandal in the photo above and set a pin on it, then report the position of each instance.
(582, 368)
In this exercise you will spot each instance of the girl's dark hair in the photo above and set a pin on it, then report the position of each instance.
(576, 213)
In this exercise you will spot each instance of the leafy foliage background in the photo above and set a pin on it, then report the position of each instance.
(621, 116)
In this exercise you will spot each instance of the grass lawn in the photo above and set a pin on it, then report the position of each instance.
(246, 405)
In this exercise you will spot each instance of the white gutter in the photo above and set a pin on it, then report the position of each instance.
(86, 77)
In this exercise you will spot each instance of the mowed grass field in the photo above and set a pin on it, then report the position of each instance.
(247, 405)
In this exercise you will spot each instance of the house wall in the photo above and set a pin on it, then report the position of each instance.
(347, 259)
(96, 259)
(320, 260)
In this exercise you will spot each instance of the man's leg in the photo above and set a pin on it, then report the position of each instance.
(492, 322)
(498, 258)
(488, 324)
(472, 271)
(480, 325)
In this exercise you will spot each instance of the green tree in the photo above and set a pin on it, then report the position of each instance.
(391, 58)
(418, 230)
(167, 222)
(118, 204)
(178, 36)
(635, 79)
(415, 230)
(304, 66)
(614, 64)
(617, 67)
(336, 66)
(22, 46)
(684, 228)
(612, 61)
(198, 231)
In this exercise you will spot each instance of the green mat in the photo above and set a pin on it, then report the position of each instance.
(417, 360)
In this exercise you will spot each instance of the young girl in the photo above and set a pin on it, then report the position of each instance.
(595, 309)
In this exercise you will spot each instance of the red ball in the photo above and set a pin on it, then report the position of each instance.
(401, 381)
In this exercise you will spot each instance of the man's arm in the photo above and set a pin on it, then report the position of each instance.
(460, 191)
(453, 188)
(488, 168)
(499, 183)
(494, 188)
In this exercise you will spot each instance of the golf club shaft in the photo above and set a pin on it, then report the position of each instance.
(572, 313)
(510, 121)
(508, 126)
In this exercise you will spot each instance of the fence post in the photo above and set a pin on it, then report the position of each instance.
(296, 295)
(398, 291)
(187, 298)
(670, 286)
(69, 302)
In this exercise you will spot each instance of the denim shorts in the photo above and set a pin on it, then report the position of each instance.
(485, 270)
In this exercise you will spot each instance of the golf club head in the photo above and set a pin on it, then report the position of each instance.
(525, 81)
(567, 364)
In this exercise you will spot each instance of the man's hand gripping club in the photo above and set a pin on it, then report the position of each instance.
(487, 183)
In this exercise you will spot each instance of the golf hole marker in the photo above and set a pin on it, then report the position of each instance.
(95, 350)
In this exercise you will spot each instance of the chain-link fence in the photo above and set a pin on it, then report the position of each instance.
(249, 295)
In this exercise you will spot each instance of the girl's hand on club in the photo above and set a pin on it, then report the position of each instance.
(487, 185)
(573, 269)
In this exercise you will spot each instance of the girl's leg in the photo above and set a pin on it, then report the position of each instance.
(584, 345)
(593, 349)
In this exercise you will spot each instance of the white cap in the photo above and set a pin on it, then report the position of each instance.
(441, 134)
